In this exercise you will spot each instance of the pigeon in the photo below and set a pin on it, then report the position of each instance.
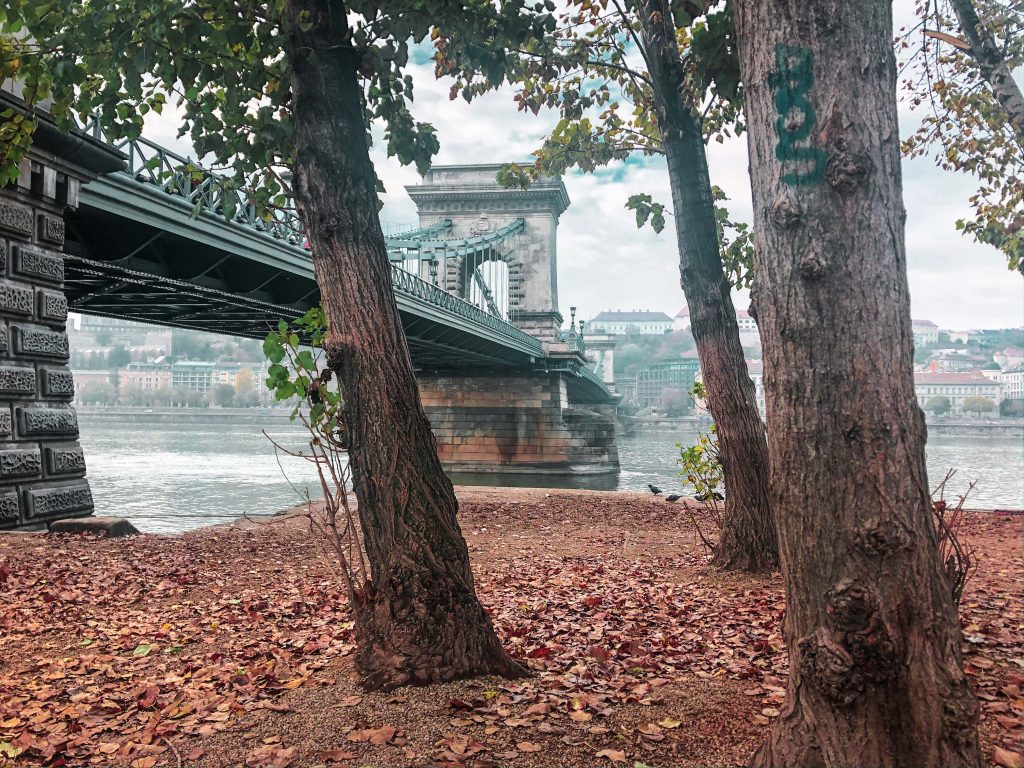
(673, 497)
(654, 489)
(709, 496)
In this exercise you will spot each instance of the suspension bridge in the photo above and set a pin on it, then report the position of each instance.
(130, 229)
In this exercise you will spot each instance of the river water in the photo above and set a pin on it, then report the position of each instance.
(173, 474)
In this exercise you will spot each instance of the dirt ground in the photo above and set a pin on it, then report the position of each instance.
(232, 646)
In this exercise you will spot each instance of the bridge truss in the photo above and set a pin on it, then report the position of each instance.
(166, 241)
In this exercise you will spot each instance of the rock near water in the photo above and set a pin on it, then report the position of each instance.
(111, 527)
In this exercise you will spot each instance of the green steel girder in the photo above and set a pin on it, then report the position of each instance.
(419, 233)
(400, 249)
(150, 245)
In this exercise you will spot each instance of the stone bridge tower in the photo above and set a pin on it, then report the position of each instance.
(470, 196)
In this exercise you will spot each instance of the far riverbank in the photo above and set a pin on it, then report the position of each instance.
(944, 426)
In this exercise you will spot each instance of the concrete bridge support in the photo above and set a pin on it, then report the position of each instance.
(517, 425)
(42, 468)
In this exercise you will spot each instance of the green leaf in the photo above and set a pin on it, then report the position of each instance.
(143, 649)
(9, 750)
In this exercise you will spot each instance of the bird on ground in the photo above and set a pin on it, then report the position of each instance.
(709, 496)
(654, 489)
(673, 497)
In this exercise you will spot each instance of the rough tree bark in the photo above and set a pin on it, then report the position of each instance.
(992, 65)
(876, 674)
(748, 540)
(420, 620)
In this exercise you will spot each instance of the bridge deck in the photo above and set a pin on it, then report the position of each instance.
(146, 246)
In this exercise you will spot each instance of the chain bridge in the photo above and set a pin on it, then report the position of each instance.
(131, 230)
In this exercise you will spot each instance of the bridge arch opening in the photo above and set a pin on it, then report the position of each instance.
(491, 280)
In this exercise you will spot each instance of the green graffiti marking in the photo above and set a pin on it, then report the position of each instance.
(790, 84)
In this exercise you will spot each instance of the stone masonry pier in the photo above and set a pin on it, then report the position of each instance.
(517, 425)
(42, 468)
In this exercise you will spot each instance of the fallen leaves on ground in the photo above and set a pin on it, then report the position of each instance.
(138, 652)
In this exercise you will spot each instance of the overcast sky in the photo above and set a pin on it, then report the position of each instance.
(604, 262)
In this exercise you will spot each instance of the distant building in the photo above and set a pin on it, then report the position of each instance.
(656, 382)
(682, 320)
(145, 376)
(1009, 358)
(957, 386)
(749, 335)
(88, 333)
(926, 333)
(644, 322)
(227, 373)
(1013, 383)
(193, 375)
(961, 336)
(956, 360)
(755, 369)
(745, 321)
(84, 379)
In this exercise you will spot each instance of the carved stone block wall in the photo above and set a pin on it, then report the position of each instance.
(516, 425)
(42, 467)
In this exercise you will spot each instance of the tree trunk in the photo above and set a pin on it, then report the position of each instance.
(991, 64)
(748, 539)
(419, 620)
(876, 673)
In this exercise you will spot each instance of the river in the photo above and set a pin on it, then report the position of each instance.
(168, 474)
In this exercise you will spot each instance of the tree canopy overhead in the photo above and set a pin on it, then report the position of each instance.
(958, 62)
(223, 65)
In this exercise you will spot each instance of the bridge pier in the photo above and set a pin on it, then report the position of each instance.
(522, 424)
(42, 468)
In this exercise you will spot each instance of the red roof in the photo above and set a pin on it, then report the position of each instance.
(951, 377)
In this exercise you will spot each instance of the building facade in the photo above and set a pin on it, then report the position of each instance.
(682, 320)
(956, 387)
(657, 382)
(926, 333)
(228, 373)
(145, 376)
(644, 323)
(192, 375)
(1013, 383)
(1009, 358)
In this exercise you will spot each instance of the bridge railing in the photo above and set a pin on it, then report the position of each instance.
(156, 166)
(412, 285)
